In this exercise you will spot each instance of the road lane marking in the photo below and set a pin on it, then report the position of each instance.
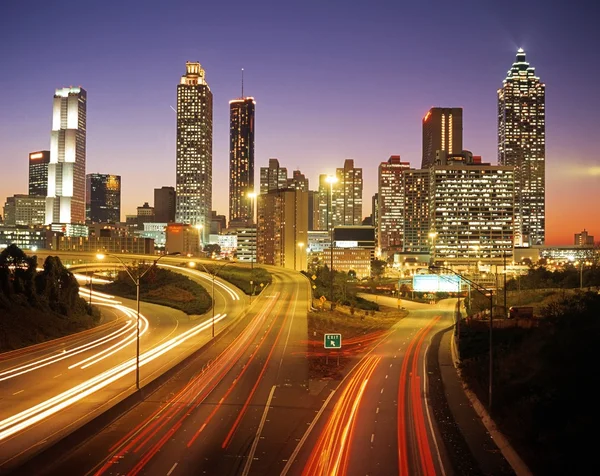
(258, 432)
(386, 376)
(377, 411)
(17, 393)
(57, 375)
(382, 390)
(372, 437)
(433, 435)
(172, 469)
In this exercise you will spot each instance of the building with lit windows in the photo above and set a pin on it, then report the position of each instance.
(26, 237)
(194, 149)
(241, 160)
(282, 235)
(347, 195)
(416, 211)
(350, 259)
(298, 181)
(246, 244)
(390, 205)
(522, 145)
(164, 204)
(25, 210)
(38, 173)
(323, 203)
(103, 198)
(584, 239)
(273, 177)
(182, 238)
(65, 202)
(471, 208)
(442, 130)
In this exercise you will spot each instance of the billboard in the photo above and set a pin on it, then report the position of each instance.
(433, 283)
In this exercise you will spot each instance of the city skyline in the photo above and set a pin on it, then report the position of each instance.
(320, 136)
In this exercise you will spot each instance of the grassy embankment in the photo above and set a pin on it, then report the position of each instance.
(360, 329)
(241, 276)
(544, 379)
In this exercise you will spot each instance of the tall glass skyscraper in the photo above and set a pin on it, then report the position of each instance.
(194, 149)
(38, 173)
(522, 145)
(241, 159)
(442, 130)
(65, 202)
(103, 198)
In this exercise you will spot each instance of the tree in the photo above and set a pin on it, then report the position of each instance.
(377, 268)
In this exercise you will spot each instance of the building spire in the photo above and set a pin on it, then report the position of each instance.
(242, 83)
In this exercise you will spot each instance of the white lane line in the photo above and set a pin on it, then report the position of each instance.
(305, 436)
(377, 411)
(382, 390)
(433, 435)
(172, 469)
(17, 393)
(372, 437)
(57, 375)
(386, 376)
(258, 432)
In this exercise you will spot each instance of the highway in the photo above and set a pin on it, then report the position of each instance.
(239, 408)
(48, 390)
(378, 421)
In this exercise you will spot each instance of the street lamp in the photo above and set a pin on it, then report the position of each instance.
(136, 280)
(483, 291)
(331, 179)
(192, 264)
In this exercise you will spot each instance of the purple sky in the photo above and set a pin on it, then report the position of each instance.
(332, 80)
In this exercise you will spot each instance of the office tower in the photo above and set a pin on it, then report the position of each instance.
(374, 210)
(25, 210)
(298, 181)
(323, 194)
(164, 204)
(273, 177)
(522, 145)
(38, 173)
(347, 195)
(241, 159)
(471, 209)
(584, 239)
(390, 206)
(282, 235)
(218, 223)
(65, 202)
(194, 149)
(442, 130)
(103, 198)
(313, 210)
(416, 211)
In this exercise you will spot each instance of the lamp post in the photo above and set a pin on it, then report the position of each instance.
(483, 291)
(331, 179)
(192, 264)
(136, 280)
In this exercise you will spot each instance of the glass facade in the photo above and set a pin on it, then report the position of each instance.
(522, 145)
(241, 159)
(103, 198)
(38, 173)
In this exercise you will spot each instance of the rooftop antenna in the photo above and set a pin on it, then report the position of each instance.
(242, 83)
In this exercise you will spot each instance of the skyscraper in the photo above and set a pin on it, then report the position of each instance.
(273, 177)
(38, 173)
(65, 202)
(241, 159)
(522, 145)
(194, 149)
(416, 210)
(347, 195)
(298, 181)
(164, 204)
(103, 198)
(390, 206)
(442, 130)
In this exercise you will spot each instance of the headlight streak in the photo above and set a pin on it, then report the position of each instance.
(194, 272)
(39, 412)
(23, 369)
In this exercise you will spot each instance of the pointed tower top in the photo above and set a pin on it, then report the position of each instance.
(520, 50)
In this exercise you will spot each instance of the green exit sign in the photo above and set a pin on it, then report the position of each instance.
(333, 341)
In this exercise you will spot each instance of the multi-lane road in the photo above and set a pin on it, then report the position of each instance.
(48, 390)
(245, 405)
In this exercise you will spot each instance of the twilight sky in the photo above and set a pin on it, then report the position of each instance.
(332, 80)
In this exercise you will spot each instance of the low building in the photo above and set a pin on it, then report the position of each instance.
(157, 232)
(350, 259)
(96, 244)
(26, 237)
(228, 244)
(246, 244)
(182, 238)
(362, 237)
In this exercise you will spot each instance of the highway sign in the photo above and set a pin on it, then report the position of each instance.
(333, 341)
